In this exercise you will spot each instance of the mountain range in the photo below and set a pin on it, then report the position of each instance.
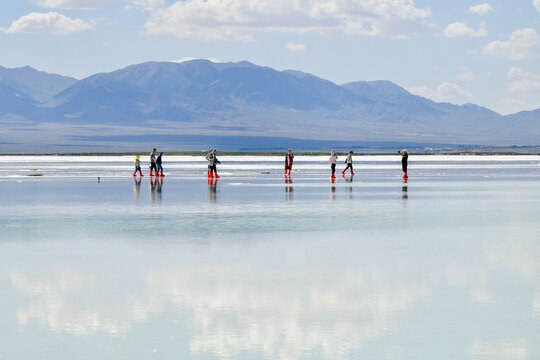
(189, 105)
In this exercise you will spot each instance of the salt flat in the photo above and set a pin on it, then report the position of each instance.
(258, 266)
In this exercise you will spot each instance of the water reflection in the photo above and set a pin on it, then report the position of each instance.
(212, 190)
(288, 188)
(283, 313)
(137, 188)
(404, 192)
(274, 300)
(156, 185)
(349, 186)
(333, 189)
(227, 306)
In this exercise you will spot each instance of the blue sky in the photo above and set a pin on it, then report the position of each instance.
(483, 52)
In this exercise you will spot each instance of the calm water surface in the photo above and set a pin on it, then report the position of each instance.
(257, 266)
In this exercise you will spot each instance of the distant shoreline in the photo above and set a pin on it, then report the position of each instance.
(494, 152)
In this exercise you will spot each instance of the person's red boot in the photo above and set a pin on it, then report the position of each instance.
(140, 173)
(135, 173)
(162, 173)
(352, 173)
(150, 172)
(343, 172)
(289, 172)
(217, 176)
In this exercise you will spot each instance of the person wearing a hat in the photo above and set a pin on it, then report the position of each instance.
(348, 161)
(404, 159)
(137, 165)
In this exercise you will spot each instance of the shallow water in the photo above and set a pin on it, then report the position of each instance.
(257, 266)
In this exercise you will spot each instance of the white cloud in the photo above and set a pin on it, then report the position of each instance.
(295, 47)
(74, 4)
(446, 92)
(467, 76)
(481, 9)
(459, 29)
(537, 5)
(510, 349)
(517, 73)
(523, 82)
(97, 4)
(242, 19)
(48, 23)
(188, 58)
(523, 44)
(146, 4)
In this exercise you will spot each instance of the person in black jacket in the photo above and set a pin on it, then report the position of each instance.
(404, 163)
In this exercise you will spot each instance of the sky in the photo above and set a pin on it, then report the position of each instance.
(460, 51)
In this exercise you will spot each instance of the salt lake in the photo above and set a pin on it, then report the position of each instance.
(256, 265)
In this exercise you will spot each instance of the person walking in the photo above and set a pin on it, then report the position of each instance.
(404, 163)
(332, 161)
(288, 162)
(153, 165)
(216, 161)
(159, 165)
(210, 157)
(137, 164)
(348, 161)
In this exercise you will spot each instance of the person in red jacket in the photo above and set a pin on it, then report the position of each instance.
(288, 162)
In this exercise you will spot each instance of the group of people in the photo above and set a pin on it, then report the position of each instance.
(155, 164)
(333, 162)
(348, 161)
(211, 157)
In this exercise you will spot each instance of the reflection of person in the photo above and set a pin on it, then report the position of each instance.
(404, 163)
(216, 161)
(159, 166)
(212, 190)
(288, 188)
(137, 165)
(288, 162)
(137, 188)
(404, 193)
(153, 165)
(348, 161)
(159, 187)
(210, 157)
(332, 161)
(153, 184)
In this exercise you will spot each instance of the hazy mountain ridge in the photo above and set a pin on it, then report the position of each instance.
(242, 99)
(38, 85)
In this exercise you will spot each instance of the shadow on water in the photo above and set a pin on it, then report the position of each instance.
(288, 188)
(212, 190)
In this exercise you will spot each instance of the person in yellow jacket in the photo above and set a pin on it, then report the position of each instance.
(137, 165)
